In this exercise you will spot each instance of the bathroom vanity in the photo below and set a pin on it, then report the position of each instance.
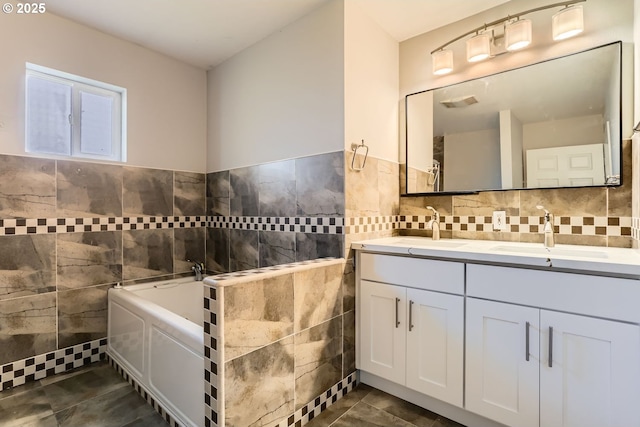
(498, 333)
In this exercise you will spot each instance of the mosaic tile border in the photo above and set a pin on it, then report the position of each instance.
(316, 406)
(144, 393)
(55, 362)
(635, 228)
(11, 227)
(583, 226)
(213, 408)
(369, 224)
(319, 225)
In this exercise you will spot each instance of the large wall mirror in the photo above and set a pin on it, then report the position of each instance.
(548, 125)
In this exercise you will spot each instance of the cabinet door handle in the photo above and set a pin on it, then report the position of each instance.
(526, 345)
(397, 318)
(410, 315)
(550, 346)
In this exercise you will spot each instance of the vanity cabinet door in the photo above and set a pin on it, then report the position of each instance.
(383, 330)
(594, 377)
(435, 335)
(502, 362)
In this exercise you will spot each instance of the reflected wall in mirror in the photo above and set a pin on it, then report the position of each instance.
(552, 124)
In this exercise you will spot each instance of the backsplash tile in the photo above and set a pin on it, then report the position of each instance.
(27, 265)
(189, 194)
(88, 189)
(147, 192)
(27, 326)
(320, 189)
(243, 250)
(61, 244)
(218, 190)
(294, 207)
(218, 242)
(88, 259)
(189, 247)
(244, 192)
(276, 248)
(147, 253)
(277, 189)
(27, 187)
(82, 315)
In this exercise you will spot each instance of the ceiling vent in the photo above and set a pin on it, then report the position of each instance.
(461, 102)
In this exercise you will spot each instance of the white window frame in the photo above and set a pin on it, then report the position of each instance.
(79, 84)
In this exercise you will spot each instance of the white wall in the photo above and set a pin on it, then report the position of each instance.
(371, 79)
(572, 131)
(282, 97)
(166, 98)
(511, 142)
(477, 160)
(605, 21)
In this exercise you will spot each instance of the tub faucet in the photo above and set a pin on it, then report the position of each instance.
(434, 224)
(197, 268)
(548, 228)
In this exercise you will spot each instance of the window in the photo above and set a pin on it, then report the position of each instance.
(72, 116)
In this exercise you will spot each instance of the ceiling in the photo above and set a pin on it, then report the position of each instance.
(204, 33)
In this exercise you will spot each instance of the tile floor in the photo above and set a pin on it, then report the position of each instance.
(92, 396)
(369, 407)
(96, 396)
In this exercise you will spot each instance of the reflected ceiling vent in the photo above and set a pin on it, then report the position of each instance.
(463, 101)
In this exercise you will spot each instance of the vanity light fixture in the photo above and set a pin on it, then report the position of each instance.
(566, 23)
(517, 34)
(479, 47)
(442, 61)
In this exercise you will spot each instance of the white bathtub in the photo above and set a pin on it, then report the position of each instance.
(155, 333)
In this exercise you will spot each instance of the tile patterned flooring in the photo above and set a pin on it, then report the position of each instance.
(96, 396)
(369, 407)
(92, 396)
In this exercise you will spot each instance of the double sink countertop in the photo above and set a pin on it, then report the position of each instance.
(588, 259)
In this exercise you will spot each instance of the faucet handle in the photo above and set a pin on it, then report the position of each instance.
(547, 215)
(436, 215)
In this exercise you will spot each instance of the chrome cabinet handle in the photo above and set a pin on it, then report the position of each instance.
(397, 319)
(550, 346)
(410, 315)
(527, 342)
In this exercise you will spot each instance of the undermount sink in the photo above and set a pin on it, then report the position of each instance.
(427, 242)
(540, 250)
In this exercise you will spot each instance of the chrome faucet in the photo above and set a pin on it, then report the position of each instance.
(548, 228)
(198, 269)
(434, 224)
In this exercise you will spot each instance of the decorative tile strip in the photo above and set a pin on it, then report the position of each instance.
(10, 227)
(145, 394)
(213, 398)
(319, 225)
(43, 365)
(584, 226)
(369, 224)
(315, 407)
(635, 228)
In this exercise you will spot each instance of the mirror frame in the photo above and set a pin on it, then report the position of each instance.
(461, 192)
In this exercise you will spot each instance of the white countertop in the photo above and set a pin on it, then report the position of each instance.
(594, 259)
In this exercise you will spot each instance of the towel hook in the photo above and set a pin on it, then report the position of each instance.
(355, 148)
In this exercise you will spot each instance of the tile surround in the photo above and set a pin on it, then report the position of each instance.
(65, 241)
(287, 372)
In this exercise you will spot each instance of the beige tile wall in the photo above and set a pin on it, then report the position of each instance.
(285, 340)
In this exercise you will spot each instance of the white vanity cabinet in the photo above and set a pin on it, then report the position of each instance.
(413, 336)
(543, 346)
(532, 366)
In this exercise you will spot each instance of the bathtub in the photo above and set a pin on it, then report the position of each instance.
(155, 334)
